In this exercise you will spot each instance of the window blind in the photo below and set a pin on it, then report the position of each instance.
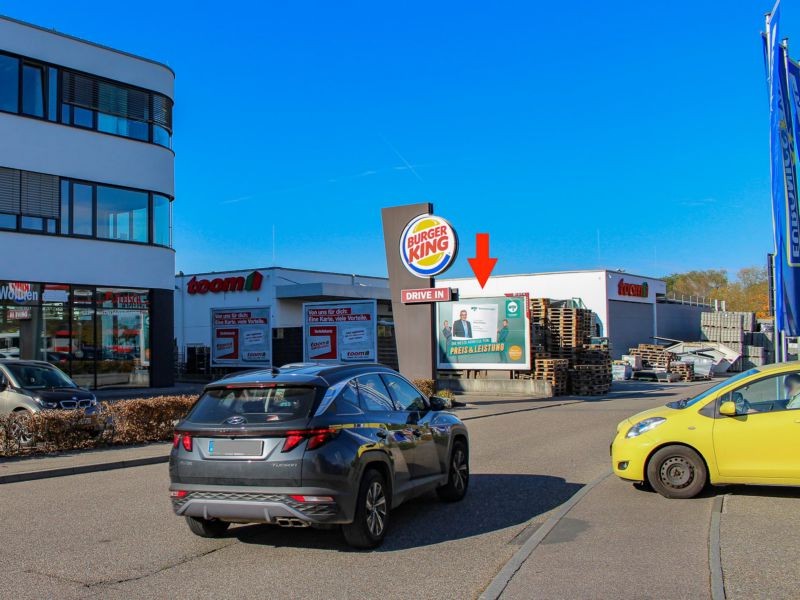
(116, 99)
(40, 195)
(9, 191)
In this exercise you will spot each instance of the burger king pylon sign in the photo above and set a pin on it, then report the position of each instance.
(428, 246)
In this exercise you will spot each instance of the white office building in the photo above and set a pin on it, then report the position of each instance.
(86, 191)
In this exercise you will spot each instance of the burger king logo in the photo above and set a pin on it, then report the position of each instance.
(428, 245)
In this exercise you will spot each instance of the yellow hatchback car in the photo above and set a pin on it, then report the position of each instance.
(745, 429)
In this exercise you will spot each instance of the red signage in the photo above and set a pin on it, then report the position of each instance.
(632, 289)
(422, 295)
(225, 284)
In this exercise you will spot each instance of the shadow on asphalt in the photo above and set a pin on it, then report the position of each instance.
(494, 502)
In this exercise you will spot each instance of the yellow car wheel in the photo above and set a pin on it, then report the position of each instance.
(677, 472)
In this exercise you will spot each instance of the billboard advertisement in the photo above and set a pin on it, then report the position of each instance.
(340, 331)
(241, 337)
(483, 333)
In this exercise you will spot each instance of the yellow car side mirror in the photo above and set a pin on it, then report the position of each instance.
(728, 409)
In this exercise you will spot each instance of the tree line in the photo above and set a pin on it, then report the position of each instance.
(748, 292)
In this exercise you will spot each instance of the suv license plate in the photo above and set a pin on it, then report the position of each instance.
(219, 448)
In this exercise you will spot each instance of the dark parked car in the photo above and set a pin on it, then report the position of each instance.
(314, 446)
(31, 386)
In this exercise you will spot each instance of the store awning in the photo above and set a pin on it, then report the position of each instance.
(330, 291)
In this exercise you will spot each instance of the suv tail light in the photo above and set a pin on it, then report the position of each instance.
(316, 437)
(184, 439)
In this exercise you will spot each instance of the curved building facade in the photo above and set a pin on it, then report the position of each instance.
(86, 193)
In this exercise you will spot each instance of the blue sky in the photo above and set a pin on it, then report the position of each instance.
(641, 125)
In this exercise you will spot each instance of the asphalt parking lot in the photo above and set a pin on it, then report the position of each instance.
(113, 534)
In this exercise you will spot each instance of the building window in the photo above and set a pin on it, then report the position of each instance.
(9, 83)
(33, 223)
(65, 211)
(33, 90)
(161, 137)
(41, 203)
(52, 94)
(121, 214)
(84, 100)
(8, 221)
(122, 126)
(82, 117)
(162, 220)
(82, 213)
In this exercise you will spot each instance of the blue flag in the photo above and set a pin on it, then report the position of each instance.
(783, 159)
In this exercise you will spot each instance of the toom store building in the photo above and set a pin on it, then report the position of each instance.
(629, 309)
(255, 318)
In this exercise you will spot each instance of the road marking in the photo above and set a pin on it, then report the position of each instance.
(714, 552)
(504, 577)
(511, 412)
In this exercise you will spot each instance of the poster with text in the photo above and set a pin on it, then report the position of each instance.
(241, 337)
(483, 333)
(340, 331)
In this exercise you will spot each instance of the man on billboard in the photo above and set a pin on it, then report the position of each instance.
(462, 328)
(447, 336)
(502, 334)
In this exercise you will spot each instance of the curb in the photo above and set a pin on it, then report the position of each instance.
(82, 469)
(714, 551)
(504, 577)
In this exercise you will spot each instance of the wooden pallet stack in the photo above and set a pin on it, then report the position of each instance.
(685, 370)
(590, 380)
(570, 329)
(553, 370)
(591, 374)
(653, 356)
(540, 331)
(539, 308)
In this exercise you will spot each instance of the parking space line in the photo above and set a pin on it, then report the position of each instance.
(511, 412)
(714, 552)
(503, 578)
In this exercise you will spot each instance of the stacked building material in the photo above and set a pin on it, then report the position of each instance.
(740, 332)
(540, 332)
(591, 374)
(753, 356)
(590, 380)
(570, 329)
(553, 370)
(653, 356)
(684, 369)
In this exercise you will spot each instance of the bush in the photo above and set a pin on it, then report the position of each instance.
(425, 386)
(133, 421)
(445, 394)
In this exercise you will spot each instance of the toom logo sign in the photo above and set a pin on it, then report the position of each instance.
(632, 289)
(252, 283)
(428, 245)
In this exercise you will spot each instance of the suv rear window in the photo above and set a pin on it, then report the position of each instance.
(256, 405)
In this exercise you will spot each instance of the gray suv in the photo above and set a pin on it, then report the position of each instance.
(314, 446)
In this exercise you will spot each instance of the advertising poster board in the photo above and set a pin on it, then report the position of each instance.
(241, 337)
(483, 333)
(340, 331)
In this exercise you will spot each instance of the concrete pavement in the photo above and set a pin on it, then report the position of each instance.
(112, 534)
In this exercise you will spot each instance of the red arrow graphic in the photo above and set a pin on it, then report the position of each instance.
(482, 265)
